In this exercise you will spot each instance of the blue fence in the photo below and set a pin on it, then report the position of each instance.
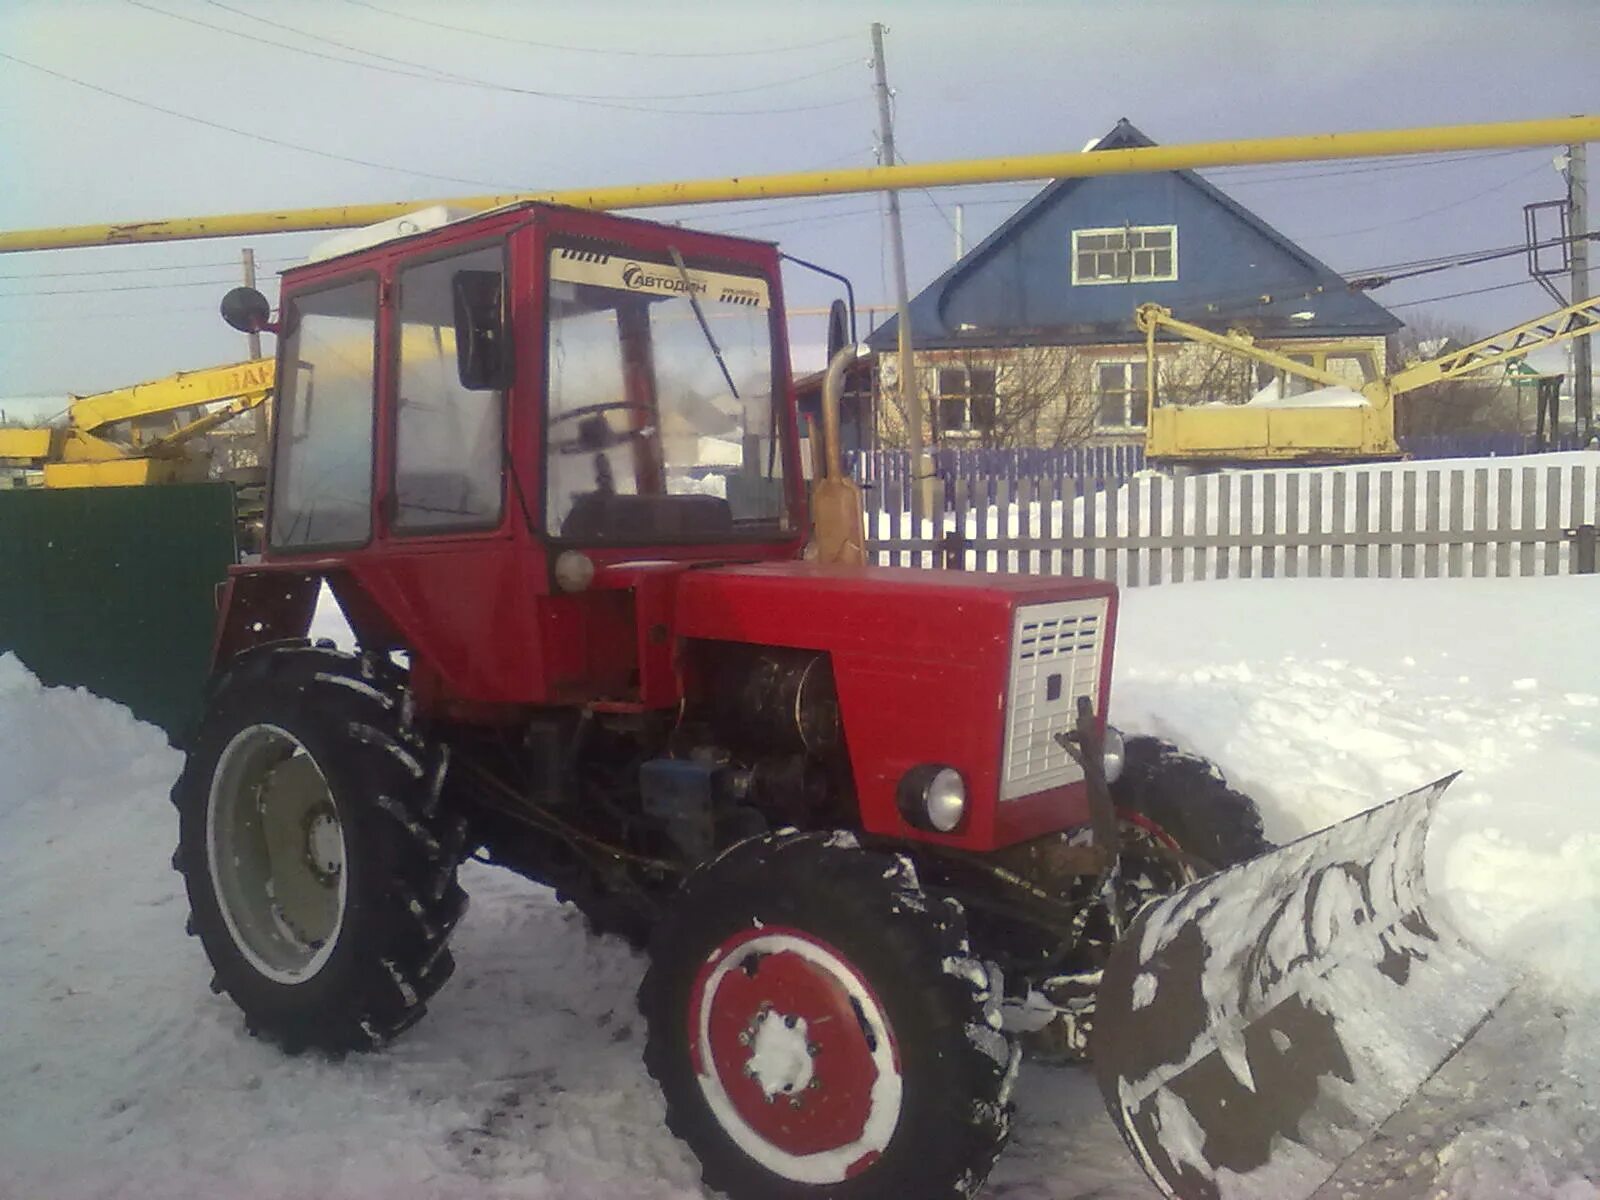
(1090, 465)
(1097, 466)
(1483, 445)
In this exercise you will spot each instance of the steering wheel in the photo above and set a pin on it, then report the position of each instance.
(586, 410)
(595, 435)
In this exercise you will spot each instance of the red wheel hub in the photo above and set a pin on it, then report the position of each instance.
(790, 1042)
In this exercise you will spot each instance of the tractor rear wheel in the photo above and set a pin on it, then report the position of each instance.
(819, 1028)
(320, 868)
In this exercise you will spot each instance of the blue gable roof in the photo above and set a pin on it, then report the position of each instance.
(1234, 271)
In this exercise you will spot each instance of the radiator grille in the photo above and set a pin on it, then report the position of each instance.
(1055, 658)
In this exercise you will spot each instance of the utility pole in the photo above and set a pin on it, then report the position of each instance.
(1578, 230)
(249, 256)
(910, 393)
(258, 416)
(961, 241)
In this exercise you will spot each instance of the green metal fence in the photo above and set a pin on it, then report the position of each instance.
(113, 589)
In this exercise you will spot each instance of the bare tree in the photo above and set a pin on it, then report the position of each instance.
(1027, 396)
(1481, 403)
(1199, 374)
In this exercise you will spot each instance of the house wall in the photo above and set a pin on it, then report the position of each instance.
(1227, 268)
(1052, 396)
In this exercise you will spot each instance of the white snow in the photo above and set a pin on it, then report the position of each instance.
(779, 1057)
(1272, 396)
(121, 1075)
(1520, 879)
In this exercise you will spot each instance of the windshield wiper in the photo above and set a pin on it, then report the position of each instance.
(699, 315)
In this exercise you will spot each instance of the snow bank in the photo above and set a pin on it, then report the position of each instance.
(63, 746)
(1518, 874)
(122, 1077)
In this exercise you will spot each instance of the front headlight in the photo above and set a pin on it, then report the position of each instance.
(1114, 754)
(933, 797)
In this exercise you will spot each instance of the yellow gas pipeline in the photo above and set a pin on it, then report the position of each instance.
(1194, 155)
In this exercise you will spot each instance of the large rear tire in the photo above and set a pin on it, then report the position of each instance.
(320, 867)
(819, 1028)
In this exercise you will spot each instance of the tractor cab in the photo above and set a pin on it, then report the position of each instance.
(539, 395)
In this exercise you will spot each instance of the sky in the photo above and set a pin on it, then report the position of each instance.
(138, 109)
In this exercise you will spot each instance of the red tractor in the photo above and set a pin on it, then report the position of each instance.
(547, 462)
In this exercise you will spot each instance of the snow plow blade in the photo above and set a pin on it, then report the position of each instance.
(1257, 1028)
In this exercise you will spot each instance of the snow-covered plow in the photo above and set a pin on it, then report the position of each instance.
(1259, 1027)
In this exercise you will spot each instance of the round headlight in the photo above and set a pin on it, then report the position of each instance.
(574, 571)
(933, 797)
(1115, 753)
(944, 799)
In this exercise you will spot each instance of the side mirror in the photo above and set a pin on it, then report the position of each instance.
(483, 358)
(247, 310)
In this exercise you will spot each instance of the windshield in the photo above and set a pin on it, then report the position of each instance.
(662, 424)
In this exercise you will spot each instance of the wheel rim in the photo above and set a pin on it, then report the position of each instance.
(795, 1055)
(275, 849)
(1154, 864)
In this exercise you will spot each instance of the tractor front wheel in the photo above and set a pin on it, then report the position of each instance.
(1188, 798)
(819, 1028)
(320, 869)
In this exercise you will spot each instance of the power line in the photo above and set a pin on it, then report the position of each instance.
(452, 77)
(1381, 280)
(1456, 203)
(98, 271)
(1338, 170)
(122, 287)
(257, 137)
(430, 76)
(124, 314)
(1498, 287)
(503, 37)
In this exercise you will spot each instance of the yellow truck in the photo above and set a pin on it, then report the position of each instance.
(1342, 418)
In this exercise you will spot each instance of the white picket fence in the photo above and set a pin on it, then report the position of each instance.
(1409, 520)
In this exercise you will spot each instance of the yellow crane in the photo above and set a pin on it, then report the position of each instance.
(1357, 428)
(107, 440)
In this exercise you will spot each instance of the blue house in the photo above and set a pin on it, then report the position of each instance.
(1029, 338)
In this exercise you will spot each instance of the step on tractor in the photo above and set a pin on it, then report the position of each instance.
(869, 823)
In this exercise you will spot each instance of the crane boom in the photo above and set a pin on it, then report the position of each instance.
(82, 453)
(1189, 156)
(1576, 319)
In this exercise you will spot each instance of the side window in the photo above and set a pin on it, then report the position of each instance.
(448, 452)
(322, 483)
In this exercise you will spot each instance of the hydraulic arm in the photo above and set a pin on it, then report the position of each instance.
(101, 444)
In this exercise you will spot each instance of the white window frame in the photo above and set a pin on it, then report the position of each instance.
(1136, 406)
(1132, 277)
(968, 428)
